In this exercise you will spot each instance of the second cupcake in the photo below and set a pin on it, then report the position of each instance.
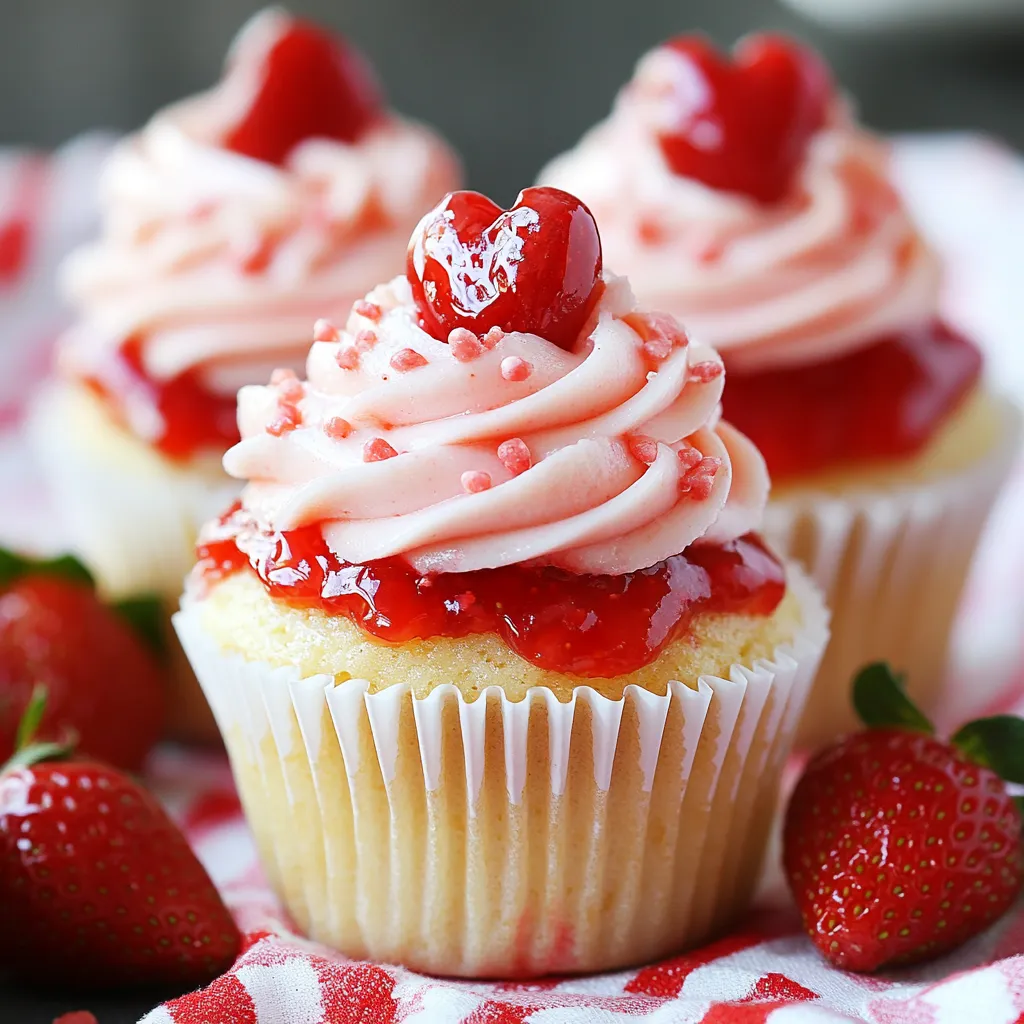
(505, 674)
(738, 194)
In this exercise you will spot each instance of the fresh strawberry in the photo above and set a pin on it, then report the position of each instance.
(900, 846)
(99, 888)
(104, 682)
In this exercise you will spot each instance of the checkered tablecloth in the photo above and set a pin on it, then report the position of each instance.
(969, 197)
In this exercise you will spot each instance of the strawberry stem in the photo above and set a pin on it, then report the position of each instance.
(881, 701)
(27, 752)
(30, 720)
(996, 743)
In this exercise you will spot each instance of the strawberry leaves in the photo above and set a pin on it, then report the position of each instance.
(881, 701)
(996, 743)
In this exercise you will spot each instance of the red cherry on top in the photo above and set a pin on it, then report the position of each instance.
(311, 84)
(534, 268)
(744, 123)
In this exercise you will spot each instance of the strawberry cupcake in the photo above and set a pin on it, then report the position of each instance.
(231, 221)
(740, 195)
(504, 670)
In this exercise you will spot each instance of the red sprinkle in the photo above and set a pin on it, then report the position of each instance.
(291, 389)
(281, 374)
(287, 419)
(474, 481)
(407, 359)
(365, 340)
(377, 450)
(697, 483)
(324, 330)
(465, 345)
(348, 357)
(465, 600)
(643, 448)
(337, 428)
(515, 369)
(689, 456)
(370, 310)
(515, 456)
(491, 338)
(708, 370)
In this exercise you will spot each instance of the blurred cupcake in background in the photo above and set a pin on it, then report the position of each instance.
(230, 222)
(506, 675)
(740, 195)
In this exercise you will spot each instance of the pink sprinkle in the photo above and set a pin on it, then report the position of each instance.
(370, 310)
(660, 332)
(515, 369)
(515, 456)
(348, 357)
(474, 481)
(697, 483)
(492, 337)
(407, 359)
(689, 457)
(287, 419)
(337, 428)
(643, 448)
(377, 450)
(365, 340)
(465, 345)
(291, 389)
(706, 371)
(324, 330)
(281, 374)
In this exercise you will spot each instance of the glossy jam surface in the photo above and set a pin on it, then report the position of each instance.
(533, 268)
(885, 401)
(193, 419)
(743, 124)
(312, 85)
(596, 626)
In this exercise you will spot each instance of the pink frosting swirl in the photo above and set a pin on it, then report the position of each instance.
(220, 262)
(507, 449)
(835, 265)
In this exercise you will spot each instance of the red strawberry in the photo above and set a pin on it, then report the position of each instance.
(743, 124)
(899, 846)
(98, 886)
(535, 267)
(104, 683)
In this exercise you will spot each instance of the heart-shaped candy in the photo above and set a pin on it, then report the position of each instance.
(743, 124)
(309, 84)
(534, 268)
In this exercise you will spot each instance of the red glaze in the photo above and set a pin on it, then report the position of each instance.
(743, 124)
(535, 267)
(194, 418)
(885, 401)
(312, 85)
(597, 626)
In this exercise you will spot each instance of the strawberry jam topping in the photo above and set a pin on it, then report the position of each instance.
(191, 417)
(311, 85)
(743, 124)
(596, 626)
(884, 401)
(534, 268)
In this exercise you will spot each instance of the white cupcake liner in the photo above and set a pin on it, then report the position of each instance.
(130, 513)
(892, 565)
(501, 838)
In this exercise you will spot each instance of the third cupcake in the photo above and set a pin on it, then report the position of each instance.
(230, 222)
(739, 194)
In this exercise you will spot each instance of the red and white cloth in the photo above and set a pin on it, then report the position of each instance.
(969, 197)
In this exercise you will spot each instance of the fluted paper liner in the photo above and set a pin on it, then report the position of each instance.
(892, 565)
(501, 838)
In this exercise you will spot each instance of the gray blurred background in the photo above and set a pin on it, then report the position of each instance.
(510, 84)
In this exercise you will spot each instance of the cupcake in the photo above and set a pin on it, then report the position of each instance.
(505, 673)
(229, 222)
(740, 195)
